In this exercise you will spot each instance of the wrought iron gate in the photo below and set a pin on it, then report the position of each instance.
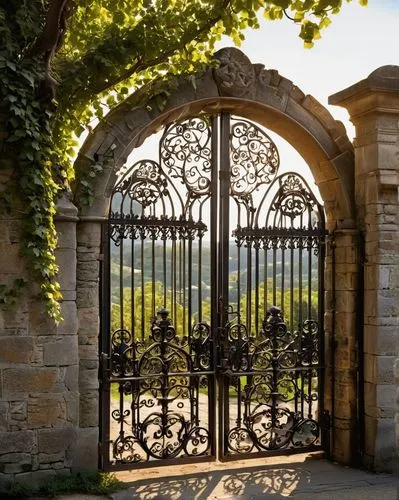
(212, 331)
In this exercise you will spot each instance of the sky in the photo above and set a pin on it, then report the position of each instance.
(359, 40)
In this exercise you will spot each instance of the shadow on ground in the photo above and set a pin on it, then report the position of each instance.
(222, 483)
(317, 479)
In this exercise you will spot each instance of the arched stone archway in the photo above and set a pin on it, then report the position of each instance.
(265, 97)
(250, 91)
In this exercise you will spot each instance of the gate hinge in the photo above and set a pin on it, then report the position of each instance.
(104, 368)
(325, 420)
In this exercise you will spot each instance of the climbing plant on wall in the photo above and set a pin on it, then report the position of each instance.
(64, 63)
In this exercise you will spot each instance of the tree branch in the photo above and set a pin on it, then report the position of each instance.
(53, 32)
(98, 87)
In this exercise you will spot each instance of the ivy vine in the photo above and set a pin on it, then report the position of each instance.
(29, 135)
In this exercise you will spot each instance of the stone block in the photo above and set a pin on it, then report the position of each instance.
(345, 324)
(72, 378)
(39, 321)
(10, 253)
(85, 254)
(89, 234)
(89, 409)
(13, 463)
(88, 379)
(345, 301)
(46, 411)
(18, 381)
(16, 350)
(345, 357)
(83, 454)
(45, 458)
(342, 452)
(346, 281)
(4, 410)
(18, 442)
(51, 441)
(34, 477)
(89, 364)
(344, 410)
(385, 449)
(62, 352)
(41, 324)
(72, 406)
(14, 321)
(18, 411)
(379, 369)
(70, 323)
(381, 340)
(89, 321)
(88, 351)
(87, 297)
(66, 232)
(66, 260)
(88, 271)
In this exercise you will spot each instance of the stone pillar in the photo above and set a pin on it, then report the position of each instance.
(373, 105)
(89, 256)
(340, 341)
(88, 294)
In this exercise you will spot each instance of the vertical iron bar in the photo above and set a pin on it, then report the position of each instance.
(239, 279)
(264, 279)
(165, 282)
(174, 280)
(153, 274)
(257, 326)
(292, 327)
(132, 284)
(320, 357)
(274, 272)
(121, 304)
(224, 234)
(310, 279)
(189, 285)
(183, 261)
(283, 278)
(249, 287)
(199, 280)
(142, 288)
(215, 384)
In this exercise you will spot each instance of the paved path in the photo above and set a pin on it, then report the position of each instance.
(298, 476)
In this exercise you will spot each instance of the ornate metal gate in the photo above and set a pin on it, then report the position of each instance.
(212, 332)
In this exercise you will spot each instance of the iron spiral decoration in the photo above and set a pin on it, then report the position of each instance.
(254, 158)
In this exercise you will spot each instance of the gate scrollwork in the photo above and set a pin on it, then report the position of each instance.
(165, 379)
(273, 375)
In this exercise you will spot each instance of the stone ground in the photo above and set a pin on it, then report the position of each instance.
(300, 477)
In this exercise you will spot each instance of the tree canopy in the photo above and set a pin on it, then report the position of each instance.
(66, 62)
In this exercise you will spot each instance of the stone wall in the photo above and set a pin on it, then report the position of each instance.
(39, 394)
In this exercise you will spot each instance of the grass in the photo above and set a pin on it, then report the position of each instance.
(95, 483)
